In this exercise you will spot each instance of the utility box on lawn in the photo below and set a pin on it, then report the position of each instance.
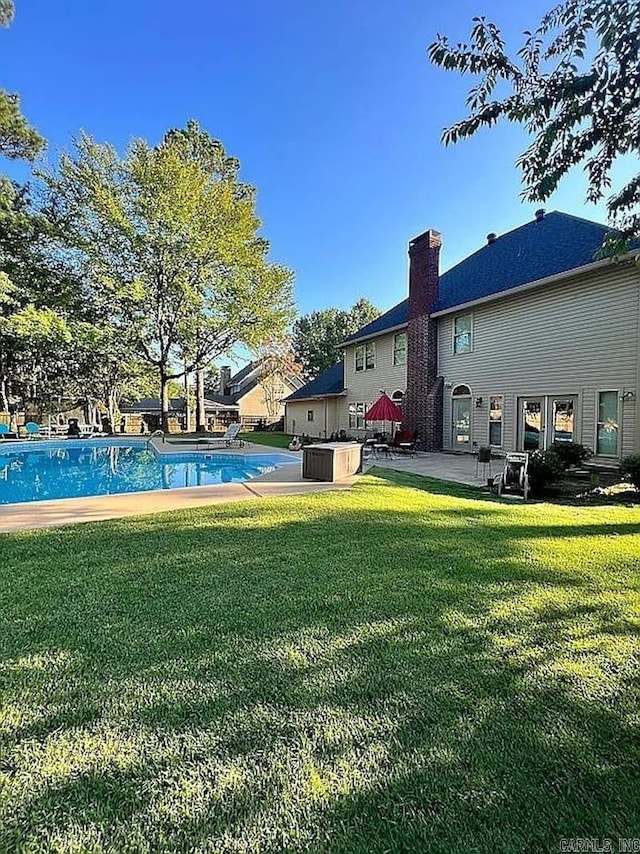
(331, 461)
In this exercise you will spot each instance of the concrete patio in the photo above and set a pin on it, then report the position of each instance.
(459, 468)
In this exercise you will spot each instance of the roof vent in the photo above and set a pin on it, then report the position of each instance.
(540, 215)
(491, 238)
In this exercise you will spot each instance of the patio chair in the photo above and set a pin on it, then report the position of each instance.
(32, 430)
(230, 437)
(515, 475)
(6, 432)
(405, 442)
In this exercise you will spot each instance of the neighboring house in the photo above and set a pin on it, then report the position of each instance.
(527, 341)
(255, 396)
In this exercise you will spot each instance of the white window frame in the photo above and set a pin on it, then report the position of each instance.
(310, 412)
(358, 350)
(490, 422)
(600, 391)
(395, 338)
(455, 336)
(370, 347)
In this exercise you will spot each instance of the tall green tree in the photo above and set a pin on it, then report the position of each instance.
(317, 336)
(38, 294)
(573, 85)
(175, 245)
(18, 140)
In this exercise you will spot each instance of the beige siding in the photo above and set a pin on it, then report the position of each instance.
(253, 402)
(365, 386)
(324, 417)
(575, 338)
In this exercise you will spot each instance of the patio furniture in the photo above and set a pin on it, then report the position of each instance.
(514, 478)
(6, 433)
(483, 458)
(382, 449)
(405, 441)
(32, 430)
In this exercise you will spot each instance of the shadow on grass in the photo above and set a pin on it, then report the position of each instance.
(368, 671)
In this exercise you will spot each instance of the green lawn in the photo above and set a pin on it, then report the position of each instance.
(388, 669)
(276, 440)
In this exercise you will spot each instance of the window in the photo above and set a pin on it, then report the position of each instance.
(370, 356)
(495, 420)
(462, 333)
(563, 421)
(400, 348)
(356, 415)
(365, 357)
(608, 427)
(309, 414)
(397, 397)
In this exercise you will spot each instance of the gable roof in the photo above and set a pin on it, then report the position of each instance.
(329, 382)
(555, 244)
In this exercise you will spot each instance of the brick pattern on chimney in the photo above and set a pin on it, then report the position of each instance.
(423, 401)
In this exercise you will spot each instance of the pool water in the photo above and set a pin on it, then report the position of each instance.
(39, 471)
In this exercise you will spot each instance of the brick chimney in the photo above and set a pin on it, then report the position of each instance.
(422, 404)
(225, 379)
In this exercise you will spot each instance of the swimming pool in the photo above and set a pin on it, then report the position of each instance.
(40, 471)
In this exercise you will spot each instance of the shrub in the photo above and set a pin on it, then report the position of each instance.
(571, 453)
(630, 468)
(545, 467)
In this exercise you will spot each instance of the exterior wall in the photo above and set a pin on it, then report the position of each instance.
(325, 421)
(365, 386)
(253, 403)
(575, 338)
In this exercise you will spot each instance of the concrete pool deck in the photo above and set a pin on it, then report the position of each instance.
(70, 511)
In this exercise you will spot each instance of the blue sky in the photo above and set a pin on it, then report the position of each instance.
(332, 108)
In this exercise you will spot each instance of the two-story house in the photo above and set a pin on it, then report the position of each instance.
(528, 341)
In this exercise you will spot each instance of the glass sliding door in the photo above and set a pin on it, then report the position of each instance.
(562, 416)
(532, 423)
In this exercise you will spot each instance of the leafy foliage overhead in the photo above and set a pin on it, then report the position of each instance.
(317, 336)
(573, 85)
(18, 140)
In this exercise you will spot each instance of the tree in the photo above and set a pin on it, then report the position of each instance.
(18, 140)
(277, 361)
(574, 87)
(38, 293)
(174, 244)
(317, 336)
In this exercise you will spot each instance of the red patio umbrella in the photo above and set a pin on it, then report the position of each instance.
(384, 409)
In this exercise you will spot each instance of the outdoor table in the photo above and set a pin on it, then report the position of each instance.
(379, 448)
(406, 447)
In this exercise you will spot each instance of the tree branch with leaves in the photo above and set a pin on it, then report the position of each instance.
(574, 86)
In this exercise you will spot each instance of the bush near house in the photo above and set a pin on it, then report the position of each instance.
(545, 468)
(630, 468)
(571, 453)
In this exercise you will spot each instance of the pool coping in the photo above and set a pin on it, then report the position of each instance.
(32, 515)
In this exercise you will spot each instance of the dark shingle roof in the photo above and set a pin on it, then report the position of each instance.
(557, 243)
(396, 316)
(328, 382)
(242, 373)
(536, 250)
